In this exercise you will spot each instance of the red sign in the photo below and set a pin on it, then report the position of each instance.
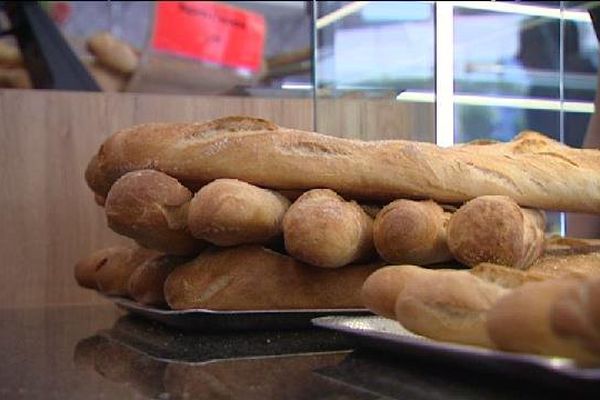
(210, 31)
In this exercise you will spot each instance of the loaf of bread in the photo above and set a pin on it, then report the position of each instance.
(495, 229)
(152, 208)
(108, 270)
(446, 305)
(412, 232)
(113, 53)
(251, 277)
(147, 281)
(524, 321)
(532, 169)
(228, 212)
(324, 230)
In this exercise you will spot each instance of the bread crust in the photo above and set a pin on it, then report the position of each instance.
(324, 230)
(229, 212)
(532, 169)
(412, 232)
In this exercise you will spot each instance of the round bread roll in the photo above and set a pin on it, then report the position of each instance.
(147, 281)
(412, 232)
(229, 212)
(495, 229)
(112, 277)
(151, 208)
(324, 230)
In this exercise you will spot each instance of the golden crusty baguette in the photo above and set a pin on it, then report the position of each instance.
(575, 263)
(507, 277)
(146, 283)
(412, 232)
(151, 208)
(495, 229)
(228, 212)
(577, 315)
(108, 270)
(322, 229)
(86, 268)
(447, 305)
(534, 170)
(524, 319)
(113, 53)
(251, 277)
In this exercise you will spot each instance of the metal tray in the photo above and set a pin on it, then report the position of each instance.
(209, 320)
(380, 333)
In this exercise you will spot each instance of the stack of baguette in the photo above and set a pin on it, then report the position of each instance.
(239, 213)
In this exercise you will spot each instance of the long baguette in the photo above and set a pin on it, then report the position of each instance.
(228, 212)
(412, 232)
(495, 229)
(324, 230)
(532, 169)
(251, 277)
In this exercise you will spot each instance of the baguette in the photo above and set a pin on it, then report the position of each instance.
(228, 212)
(113, 268)
(86, 268)
(411, 232)
(495, 229)
(579, 266)
(151, 207)
(532, 169)
(525, 321)
(447, 305)
(253, 278)
(146, 283)
(324, 230)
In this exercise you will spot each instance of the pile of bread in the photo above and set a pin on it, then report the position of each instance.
(109, 60)
(238, 214)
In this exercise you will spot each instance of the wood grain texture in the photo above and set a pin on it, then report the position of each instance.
(49, 217)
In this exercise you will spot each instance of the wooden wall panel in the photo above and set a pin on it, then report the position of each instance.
(49, 219)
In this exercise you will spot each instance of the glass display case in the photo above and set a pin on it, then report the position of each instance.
(477, 70)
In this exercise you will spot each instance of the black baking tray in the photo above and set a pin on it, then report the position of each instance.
(382, 334)
(211, 320)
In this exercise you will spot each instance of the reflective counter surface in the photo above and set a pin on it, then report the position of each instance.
(81, 352)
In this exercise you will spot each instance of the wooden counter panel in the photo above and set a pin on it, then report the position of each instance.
(49, 218)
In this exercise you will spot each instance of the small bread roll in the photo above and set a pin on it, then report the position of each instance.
(10, 55)
(324, 230)
(228, 212)
(525, 321)
(112, 277)
(495, 229)
(146, 283)
(251, 277)
(412, 232)
(151, 207)
(113, 53)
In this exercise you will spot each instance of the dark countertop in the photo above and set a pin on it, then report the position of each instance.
(98, 352)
